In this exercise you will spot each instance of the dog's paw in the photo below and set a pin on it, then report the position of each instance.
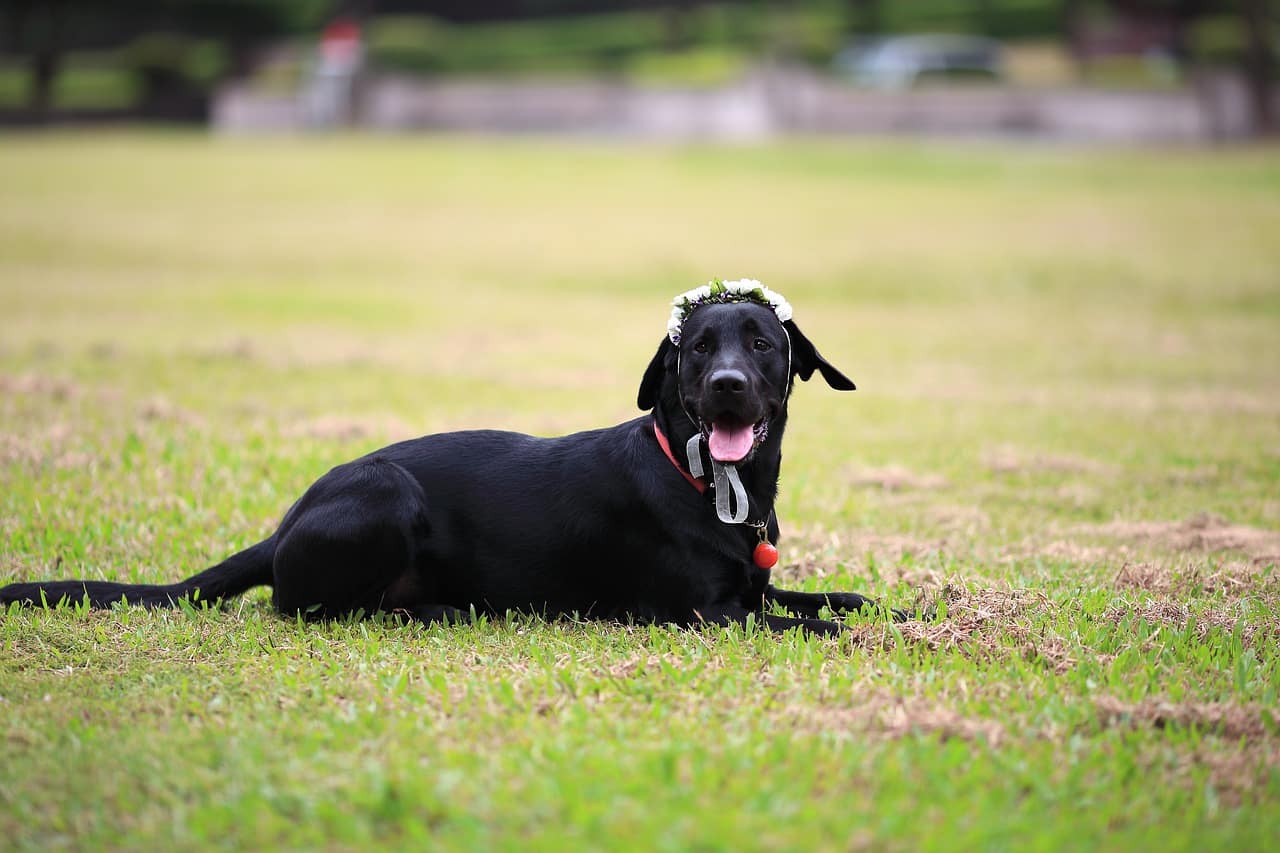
(852, 602)
(848, 602)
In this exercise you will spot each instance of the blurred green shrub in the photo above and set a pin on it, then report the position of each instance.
(89, 80)
(418, 44)
(412, 43)
(699, 67)
(171, 63)
(1217, 40)
(701, 46)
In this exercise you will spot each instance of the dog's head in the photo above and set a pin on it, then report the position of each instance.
(732, 373)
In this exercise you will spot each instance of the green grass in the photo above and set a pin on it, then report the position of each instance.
(1067, 432)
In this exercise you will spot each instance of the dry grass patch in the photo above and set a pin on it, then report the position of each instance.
(1241, 758)
(159, 408)
(1059, 550)
(1197, 476)
(1220, 400)
(1233, 578)
(1238, 759)
(892, 717)
(1177, 615)
(1225, 719)
(895, 716)
(48, 446)
(347, 428)
(984, 624)
(1201, 532)
(235, 349)
(895, 478)
(817, 552)
(1007, 459)
(19, 450)
(35, 384)
(958, 520)
(1239, 774)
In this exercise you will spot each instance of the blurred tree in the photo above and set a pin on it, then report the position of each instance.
(1245, 36)
(984, 15)
(39, 27)
(159, 36)
(864, 17)
(1071, 15)
(677, 23)
(1259, 21)
(242, 26)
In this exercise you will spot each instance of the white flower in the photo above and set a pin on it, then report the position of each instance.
(781, 306)
(743, 289)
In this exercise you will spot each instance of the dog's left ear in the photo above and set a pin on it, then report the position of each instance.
(664, 361)
(805, 359)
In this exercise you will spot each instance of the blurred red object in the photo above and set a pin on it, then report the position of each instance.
(340, 43)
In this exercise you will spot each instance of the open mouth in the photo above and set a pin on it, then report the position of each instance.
(730, 440)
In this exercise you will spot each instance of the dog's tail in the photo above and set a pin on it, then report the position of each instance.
(233, 576)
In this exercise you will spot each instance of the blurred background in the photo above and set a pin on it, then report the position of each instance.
(1093, 70)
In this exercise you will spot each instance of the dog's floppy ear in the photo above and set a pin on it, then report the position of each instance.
(664, 360)
(805, 359)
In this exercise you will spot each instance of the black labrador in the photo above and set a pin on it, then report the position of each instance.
(605, 524)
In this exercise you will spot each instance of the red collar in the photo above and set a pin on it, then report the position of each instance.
(666, 448)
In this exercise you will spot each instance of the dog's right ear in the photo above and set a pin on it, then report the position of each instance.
(664, 362)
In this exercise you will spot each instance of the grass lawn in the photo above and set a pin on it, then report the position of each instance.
(1066, 433)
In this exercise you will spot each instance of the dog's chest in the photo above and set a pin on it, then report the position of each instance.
(713, 566)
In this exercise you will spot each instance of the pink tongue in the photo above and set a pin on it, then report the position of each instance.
(730, 443)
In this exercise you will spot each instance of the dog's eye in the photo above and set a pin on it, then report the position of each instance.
(762, 345)
(700, 346)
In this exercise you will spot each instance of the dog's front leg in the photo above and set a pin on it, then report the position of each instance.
(810, 604)
(732, 614)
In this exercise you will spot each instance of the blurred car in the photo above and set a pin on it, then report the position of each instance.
(900, 62)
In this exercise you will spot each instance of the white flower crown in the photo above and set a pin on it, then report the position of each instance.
(717, 291)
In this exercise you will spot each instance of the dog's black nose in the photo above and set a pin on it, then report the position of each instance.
(728, 381)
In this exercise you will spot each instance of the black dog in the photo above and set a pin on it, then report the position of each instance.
(603, 524)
